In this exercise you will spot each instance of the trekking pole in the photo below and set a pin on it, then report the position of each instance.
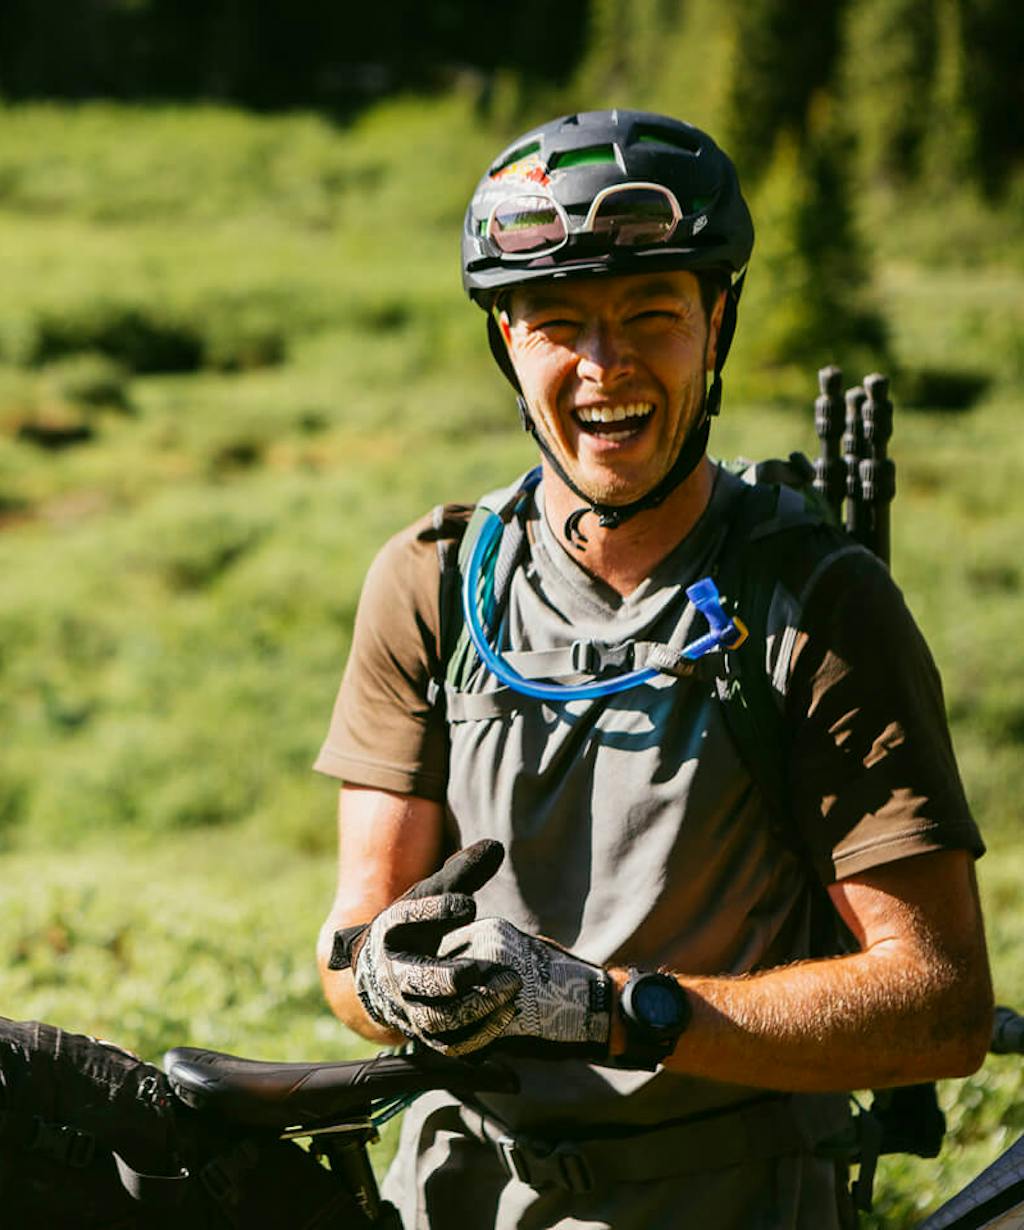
(853, 448)
(829, 468)
(877, 471)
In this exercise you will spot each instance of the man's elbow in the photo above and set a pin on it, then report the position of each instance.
(966, 1031)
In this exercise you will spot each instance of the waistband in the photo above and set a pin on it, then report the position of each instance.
(777, 1125)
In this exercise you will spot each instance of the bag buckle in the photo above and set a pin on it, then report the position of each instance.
(541, 1165)
(583, 657)
(591, 658)
(62, 1143)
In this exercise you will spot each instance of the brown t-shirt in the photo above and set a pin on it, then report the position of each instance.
(872, 772)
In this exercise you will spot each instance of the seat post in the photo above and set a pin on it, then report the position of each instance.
(347, 1156)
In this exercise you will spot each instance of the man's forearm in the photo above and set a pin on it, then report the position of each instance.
(340, 993)
(862, 1021)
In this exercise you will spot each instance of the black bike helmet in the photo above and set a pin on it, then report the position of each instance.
(556, 178)
(572, 160)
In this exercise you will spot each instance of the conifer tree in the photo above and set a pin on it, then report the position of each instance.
(809, 297)
(785, 54)
(888, 69)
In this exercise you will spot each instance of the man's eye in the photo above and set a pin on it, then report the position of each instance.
(653, 314)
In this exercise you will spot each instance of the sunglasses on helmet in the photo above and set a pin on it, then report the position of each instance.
(633, 215)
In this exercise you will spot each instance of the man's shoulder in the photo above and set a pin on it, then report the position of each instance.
(778, 537)
(417, 550)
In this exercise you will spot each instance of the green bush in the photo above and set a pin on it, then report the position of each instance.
(87, 379)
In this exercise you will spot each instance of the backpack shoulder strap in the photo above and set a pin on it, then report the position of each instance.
(770, 521)
(455, 649)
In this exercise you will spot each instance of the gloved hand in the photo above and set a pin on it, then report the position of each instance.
(400, 979)
(564, 1005)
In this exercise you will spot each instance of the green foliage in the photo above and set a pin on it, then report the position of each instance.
(888, 70)
(90, 379)
(785, 55)
(810, 292)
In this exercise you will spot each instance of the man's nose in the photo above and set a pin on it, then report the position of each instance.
(604, 355)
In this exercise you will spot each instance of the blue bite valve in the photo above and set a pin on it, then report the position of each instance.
(725, 632)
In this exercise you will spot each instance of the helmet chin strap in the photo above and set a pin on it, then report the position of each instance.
(611, 516)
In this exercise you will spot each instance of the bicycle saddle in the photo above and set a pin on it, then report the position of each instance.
(281, 1095)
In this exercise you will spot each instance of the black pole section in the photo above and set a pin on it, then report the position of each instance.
(853, 448)
(829, 468)
(877, 471)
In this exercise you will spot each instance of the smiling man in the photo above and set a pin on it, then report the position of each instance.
(658, 953)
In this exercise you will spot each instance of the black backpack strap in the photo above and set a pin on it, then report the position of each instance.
(746, 572)
(456, 653)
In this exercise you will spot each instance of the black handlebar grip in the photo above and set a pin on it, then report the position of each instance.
(1007, 1032)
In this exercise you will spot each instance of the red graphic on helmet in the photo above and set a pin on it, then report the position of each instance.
(529, 168)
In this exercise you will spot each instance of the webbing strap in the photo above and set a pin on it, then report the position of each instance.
(586, 658)
(770, 1127)
(168, 1190)
(481, 706)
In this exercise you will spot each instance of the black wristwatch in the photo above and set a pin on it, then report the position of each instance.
(655, 1010)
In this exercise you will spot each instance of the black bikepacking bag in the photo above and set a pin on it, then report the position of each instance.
(92, 1138)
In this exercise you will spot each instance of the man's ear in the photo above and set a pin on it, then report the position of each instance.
(714, 327)
(504, 325)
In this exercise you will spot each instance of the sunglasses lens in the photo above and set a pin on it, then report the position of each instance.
(525, 225)
(635, 216)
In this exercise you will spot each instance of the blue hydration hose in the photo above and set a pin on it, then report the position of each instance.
(723, 630)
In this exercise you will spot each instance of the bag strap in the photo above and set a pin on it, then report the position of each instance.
(746, 573)
(455, 648)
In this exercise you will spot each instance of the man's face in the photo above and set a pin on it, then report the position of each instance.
(613, 371)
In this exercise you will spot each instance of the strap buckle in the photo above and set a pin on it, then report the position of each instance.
(540, 1165)
(62, 1142)
(590, 658)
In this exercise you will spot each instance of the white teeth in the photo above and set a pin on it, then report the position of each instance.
(615, 436)
(614, 414)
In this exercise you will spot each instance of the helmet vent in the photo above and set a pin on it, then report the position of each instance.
(589, 156)
(669, 136)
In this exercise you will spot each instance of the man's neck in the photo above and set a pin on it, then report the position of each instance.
(625, 556)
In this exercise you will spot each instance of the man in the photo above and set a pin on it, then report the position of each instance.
(609, 250)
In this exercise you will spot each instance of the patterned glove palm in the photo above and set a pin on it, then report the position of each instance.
(403, 983)
(563, 1006)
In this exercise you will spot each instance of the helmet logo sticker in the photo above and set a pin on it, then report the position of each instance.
(699, 224)
(529, 168)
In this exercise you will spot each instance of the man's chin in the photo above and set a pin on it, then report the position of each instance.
(614, 491)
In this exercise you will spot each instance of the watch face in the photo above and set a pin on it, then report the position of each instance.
(658, 1004)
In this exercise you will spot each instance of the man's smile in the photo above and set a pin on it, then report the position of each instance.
(614, 423)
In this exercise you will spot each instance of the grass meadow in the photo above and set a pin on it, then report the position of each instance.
(234, 357)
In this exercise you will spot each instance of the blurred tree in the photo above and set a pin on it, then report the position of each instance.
(950, 139)
(992, 87)
(810, 297)
(935, 90)
(660, 55)
(785, 53)
(274, 53)
(624, 65)
(888, 70)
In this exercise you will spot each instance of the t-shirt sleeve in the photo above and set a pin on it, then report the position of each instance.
(385, 733)
(873, 776)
